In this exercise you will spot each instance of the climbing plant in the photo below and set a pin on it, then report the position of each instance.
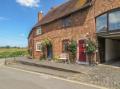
(73, 50)
(45, 43)
(90, 47)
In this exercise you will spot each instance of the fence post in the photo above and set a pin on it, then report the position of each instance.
(5, 61)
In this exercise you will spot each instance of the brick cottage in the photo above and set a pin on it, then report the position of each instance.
(76, 19)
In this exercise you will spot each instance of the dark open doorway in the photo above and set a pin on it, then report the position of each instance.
(49, 52)
(101, 48)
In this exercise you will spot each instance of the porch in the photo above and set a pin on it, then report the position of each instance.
(109, 47)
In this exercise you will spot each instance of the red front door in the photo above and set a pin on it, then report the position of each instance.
(82, 54)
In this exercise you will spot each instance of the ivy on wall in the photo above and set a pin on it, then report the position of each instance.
(90, 47)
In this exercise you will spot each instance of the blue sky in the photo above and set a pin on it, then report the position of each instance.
(17, 18)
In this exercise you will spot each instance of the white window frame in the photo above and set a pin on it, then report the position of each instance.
(38, 43)
(38, 31)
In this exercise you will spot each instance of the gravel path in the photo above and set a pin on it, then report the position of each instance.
(102, 75)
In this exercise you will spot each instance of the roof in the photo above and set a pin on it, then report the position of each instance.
(63, 10)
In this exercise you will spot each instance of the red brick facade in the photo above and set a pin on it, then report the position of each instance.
(83, 23)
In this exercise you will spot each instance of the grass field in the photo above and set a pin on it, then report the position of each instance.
(12, 52)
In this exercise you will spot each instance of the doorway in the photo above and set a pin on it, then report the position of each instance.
(82, 53)
(109, 49)
(112, 50)
(101, 48)
(49, 52)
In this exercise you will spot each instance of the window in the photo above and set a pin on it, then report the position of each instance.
(66, 22)
(65, 44)
(39, 31)
(101, 23)
(38, 46)
(110, 21)
(114, 21)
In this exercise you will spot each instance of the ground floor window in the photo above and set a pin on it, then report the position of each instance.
(65, 44)
(38, 46)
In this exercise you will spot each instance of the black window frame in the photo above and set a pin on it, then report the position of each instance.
(107, 12)
(66, 22)
(115, 30)
(106, 23)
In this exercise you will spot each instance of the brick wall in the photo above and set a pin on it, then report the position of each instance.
(31, 43)
(83, 22)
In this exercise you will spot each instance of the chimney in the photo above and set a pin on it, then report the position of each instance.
(40, 15)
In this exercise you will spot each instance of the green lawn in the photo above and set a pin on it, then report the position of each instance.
(12, 52)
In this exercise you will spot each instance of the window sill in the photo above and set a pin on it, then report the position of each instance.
(38, 50)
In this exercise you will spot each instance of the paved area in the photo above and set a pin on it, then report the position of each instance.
(16, 79)
(102, 75)
(43, 70)
(114, 63)
(54, 65)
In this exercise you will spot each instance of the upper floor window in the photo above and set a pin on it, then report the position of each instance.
(66, 22)
(38, 46)
(38, 31)
(101, 23)
(109, 21)
(114, 20)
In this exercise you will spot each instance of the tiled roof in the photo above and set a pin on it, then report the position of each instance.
(64, 10)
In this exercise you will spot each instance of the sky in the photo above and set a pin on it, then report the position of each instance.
(17, 17)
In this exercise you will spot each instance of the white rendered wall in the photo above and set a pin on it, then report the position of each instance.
(112, 48)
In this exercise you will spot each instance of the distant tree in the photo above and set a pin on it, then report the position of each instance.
(7, 47)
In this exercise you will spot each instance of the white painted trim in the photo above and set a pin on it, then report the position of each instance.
(38, 31)
(36, 47)
(77, 50)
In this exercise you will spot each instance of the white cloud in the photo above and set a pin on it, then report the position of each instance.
(29, 3)
(3, 18)
(115, 17)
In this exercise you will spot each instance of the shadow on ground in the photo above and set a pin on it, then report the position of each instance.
(114, 63)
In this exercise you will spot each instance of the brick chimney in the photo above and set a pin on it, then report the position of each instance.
(40, 15)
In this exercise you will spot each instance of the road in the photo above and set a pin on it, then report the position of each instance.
(11, 78)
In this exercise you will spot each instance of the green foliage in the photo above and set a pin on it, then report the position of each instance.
(46, 42)
(42, 57)
(91, 47)
(30, 52)
(5, 53)
(56, 58)
(73, 49)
